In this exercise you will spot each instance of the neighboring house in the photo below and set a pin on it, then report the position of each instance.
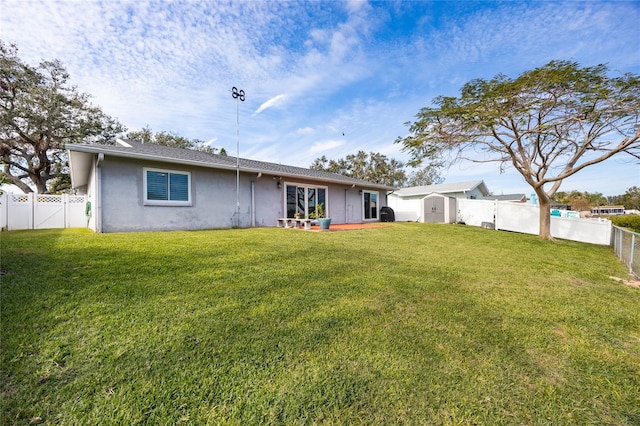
(608, 210)
(407, 204)
(143, 187)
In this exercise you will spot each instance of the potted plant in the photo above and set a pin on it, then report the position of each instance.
(319, 214)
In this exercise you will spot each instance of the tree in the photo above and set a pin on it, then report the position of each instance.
(428, 175)
(631, 199)
(373, 167)
(39, 113)
(549, 123)
(146, 135)
(580, 201)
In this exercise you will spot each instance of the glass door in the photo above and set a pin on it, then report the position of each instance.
(370, 205)
(304, 199)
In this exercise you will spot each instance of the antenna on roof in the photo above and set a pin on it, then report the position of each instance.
(238, 95)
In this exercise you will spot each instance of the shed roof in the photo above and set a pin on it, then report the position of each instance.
(126, 148)
(444, 188)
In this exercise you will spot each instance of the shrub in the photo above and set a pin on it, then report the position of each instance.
(629, 221)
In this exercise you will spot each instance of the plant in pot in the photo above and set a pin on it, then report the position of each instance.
(319, 215)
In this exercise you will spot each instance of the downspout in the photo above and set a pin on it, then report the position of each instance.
(346, 220)
(253, 200)
(99, 192)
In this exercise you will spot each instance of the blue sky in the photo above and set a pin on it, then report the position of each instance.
(321, 77)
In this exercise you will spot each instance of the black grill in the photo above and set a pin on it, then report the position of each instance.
(387, 214)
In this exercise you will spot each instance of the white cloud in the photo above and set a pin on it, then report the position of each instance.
(275, 101)
(327, 145)
(305, 131)
(346, 67)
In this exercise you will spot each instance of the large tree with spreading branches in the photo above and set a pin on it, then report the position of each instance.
(40, 112)
(549, 123)
(372, 167)
(146, 135)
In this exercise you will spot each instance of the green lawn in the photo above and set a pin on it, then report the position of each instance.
(409, 324)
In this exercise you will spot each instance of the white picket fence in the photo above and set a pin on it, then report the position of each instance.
(42, 211)
(524, 218)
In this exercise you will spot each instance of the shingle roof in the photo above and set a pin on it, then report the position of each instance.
(132, 149)
(443, 188)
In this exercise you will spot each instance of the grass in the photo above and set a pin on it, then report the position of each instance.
(410, 324)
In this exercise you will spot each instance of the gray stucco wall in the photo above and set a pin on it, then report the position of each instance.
(213, 199)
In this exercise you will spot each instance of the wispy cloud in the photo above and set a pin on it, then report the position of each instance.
(324, 146)
(320, 69)
(305, 131)
(275, 101)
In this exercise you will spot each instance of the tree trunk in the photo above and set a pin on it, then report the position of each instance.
(40, 183)
(17, 182)
(544, 203)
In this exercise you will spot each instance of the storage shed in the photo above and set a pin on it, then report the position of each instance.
(438, 208)
(407, 202)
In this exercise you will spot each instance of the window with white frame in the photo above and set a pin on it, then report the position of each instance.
(167, 187)
(305, 199)
(370, 205)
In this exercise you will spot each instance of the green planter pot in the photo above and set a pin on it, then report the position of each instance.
(324, 222)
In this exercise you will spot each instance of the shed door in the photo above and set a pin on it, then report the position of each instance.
(434, 210)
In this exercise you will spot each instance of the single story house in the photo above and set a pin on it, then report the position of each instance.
(608, 210)
(408, 203)
(133, 186)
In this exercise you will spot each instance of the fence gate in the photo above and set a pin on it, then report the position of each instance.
(48, 212)
(41, 211)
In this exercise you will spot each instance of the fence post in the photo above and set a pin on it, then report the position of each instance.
(4, 209)
(632, 257)
(620, 241)
(65, 210)
(32, 202)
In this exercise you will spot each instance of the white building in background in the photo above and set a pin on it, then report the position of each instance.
(608, 210)
(408, 205)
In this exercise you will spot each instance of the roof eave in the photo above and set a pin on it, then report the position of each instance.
(136, 155)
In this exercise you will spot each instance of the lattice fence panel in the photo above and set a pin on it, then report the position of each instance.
(47, 198)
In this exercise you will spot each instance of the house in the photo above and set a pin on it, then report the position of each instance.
(608, 210)
(145, 187)
(408, 203)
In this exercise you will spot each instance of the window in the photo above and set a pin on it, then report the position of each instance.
(370, 205)
(167, 188)
(304, 199)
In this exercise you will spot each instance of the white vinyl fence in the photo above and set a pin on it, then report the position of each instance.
(524, 218)
(42, 211)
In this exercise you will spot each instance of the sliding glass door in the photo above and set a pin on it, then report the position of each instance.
(304, 199)
(370, 205)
